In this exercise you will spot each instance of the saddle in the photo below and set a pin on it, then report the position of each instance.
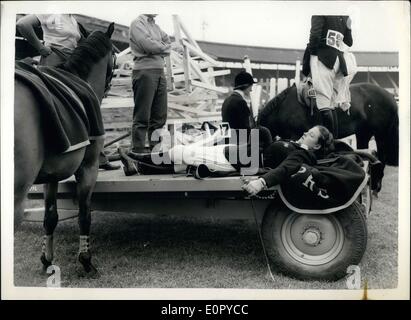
(70, 110)
(306, 95)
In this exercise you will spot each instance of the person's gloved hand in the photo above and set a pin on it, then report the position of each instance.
(255, 186)
(45, 51)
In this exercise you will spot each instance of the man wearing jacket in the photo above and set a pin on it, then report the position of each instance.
(149, 45)
(324, 59)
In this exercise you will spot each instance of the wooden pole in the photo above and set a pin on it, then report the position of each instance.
(255, 92)
(272, 92)
(186, 54)
(169, 75)
(185, 30)
(297, 71)
(277, 77)
(186, 67)
(200, 53)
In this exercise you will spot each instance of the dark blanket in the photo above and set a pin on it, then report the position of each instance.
(327, 187)
(69, 121)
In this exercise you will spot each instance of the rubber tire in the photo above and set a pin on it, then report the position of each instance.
(354, 228)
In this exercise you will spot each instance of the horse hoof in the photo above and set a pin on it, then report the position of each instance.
(85, 259)
(45, 262)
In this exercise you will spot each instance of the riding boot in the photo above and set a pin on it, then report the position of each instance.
(130, 166)
(328, 120)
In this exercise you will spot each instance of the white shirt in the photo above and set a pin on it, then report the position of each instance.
(60, 30)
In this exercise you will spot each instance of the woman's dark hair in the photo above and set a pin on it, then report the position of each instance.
(265, 137)
(326, 140)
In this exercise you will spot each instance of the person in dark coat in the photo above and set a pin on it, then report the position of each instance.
(237, 113)
(286, 157)
(324, 60)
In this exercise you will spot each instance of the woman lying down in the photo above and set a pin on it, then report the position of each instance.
(279, 159)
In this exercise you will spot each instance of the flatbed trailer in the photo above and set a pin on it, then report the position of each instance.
(305, 246)
(179, 194)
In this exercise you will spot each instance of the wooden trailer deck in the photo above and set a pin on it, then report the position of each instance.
(116, 181)
(174, 194)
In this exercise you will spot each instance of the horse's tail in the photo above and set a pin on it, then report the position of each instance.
(392, 145)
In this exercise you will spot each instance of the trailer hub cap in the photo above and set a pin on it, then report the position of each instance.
(312, 236)
(312, 239)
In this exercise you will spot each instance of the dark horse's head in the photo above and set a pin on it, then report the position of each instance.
(284, 115)
(97, 46)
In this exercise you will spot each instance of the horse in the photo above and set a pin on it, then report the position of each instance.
(92, 61)
(373, 112)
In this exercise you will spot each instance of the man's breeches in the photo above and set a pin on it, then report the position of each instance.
(150, 105)
(326, 82)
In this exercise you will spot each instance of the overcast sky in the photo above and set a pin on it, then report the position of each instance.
(377, 25)
(271, 23)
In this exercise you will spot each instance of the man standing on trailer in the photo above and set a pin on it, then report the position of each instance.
(324, 60)
(149, 45)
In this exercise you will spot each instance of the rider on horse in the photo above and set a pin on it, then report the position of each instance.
(329, 65)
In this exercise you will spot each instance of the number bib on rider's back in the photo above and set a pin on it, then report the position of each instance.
(335, 39)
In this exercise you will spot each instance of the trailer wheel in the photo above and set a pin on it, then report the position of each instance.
(314, 246)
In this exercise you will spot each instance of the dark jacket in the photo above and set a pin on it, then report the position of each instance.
(236, 112)
(286, 158)
(321, 46)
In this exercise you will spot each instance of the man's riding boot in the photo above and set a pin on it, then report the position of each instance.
(328, 120)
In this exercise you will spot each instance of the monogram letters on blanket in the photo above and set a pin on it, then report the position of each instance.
(325, 188)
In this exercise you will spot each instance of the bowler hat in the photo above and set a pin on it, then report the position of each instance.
(243, 80)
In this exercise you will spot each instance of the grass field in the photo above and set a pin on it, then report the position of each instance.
(140, 251)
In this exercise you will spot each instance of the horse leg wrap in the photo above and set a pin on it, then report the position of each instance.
(84, 255)
(84, 244)
(48, 247)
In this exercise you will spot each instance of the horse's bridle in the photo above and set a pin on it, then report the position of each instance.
(110, 73)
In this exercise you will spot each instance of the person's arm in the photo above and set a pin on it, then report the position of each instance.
(348, 34)
(243, 116)
(26, 27)
(317, 23)
(306, 62)
(285, 170)
(164, 37)
(139, 34)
